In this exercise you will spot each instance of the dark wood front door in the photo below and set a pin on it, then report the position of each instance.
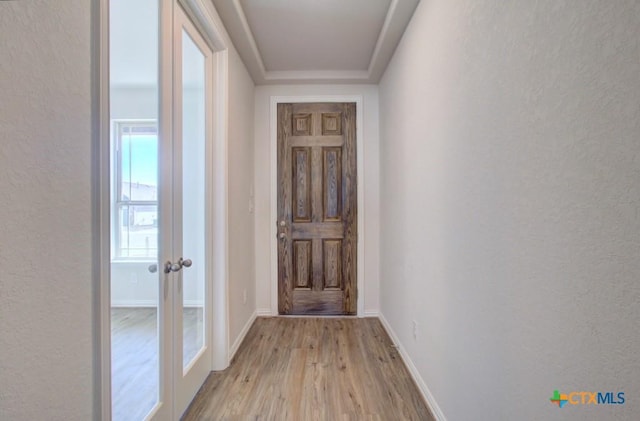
(317, 208)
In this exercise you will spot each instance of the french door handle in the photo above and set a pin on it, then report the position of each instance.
(175, 267)
(168, 267)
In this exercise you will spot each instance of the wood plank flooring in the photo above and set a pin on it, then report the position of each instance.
(312, 369)
(134, 358)
(134, 362)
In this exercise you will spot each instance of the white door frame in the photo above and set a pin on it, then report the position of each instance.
(208, 22)
(187, 380)
(273, 147)
(206, 19)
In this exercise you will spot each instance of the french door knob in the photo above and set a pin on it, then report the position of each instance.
(175, 267)
(168, 267)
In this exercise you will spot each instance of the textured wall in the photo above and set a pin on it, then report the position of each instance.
(241, 260)
(510, 155)
(45, 211)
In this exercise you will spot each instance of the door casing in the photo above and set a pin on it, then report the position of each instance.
(273, 147)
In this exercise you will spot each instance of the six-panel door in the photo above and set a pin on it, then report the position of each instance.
(317, 208)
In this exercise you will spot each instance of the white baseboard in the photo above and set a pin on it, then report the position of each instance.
(422, 386)
(149, 303)
(264, 312)
(133, 303)
(243, 333)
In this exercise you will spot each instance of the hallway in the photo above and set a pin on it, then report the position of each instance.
(498, 171)
(312, 369)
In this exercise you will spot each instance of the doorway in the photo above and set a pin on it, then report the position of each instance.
(317, 208)
(162, 210)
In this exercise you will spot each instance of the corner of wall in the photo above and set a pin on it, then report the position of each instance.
(413, 370)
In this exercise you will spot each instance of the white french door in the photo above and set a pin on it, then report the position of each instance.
(193, 80)
(161, 88)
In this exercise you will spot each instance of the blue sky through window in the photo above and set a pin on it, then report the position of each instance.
(139, 161)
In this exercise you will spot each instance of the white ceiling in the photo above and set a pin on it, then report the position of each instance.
(315, 41)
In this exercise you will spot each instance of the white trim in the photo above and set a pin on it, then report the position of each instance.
(242, 335)
(315, 75)
(371, 313)
(397, 17)
(273, 147)
(208, 23)
(264, 312)
(382, 35)
(150, 304)
(102, 213)
(166, 402)
(249, 34)
(311, 316)
(417, 378)
(189, 379)
(204, 15)
(135, 304)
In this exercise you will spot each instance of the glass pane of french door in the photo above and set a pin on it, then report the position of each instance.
(135, 271)
(193, 80)
(194, 132)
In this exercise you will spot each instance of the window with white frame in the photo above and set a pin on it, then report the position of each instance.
(135, 190)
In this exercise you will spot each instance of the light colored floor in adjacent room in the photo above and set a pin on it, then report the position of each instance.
(134, 358)
(312, 369)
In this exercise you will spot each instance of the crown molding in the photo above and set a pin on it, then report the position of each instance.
(397, 18)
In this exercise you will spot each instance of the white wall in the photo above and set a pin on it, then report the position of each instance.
(134, 102)
(46, 330)
(263, 222)
(241, 233)
(510, 157)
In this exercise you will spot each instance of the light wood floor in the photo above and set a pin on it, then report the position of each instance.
(308, 369)
(134, 358)
(134, 362)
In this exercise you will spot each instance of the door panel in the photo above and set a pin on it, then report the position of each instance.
(317, 208)
(193, 80)
(136, 276)
(193, 196)
(161, 124)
